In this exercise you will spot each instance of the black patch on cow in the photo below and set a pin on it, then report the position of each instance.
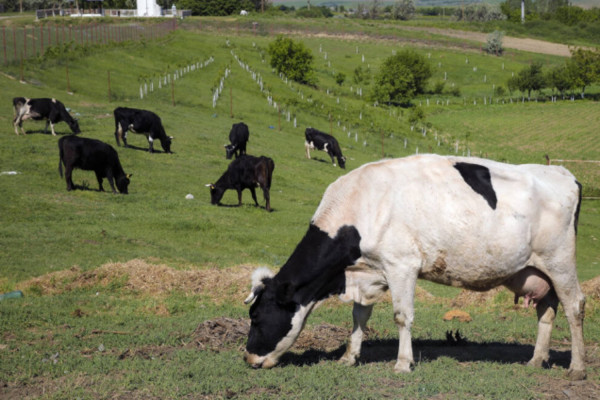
(578, 206)
(478, 177)
(314, 271)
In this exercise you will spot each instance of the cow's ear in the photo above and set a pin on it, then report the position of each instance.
(260, 277)
(210, 185)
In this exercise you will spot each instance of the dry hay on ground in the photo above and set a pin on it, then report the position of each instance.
(140, 276)
(591, 288)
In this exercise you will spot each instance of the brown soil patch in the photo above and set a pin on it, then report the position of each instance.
(220, 333)
(591, 288)
(151, 279)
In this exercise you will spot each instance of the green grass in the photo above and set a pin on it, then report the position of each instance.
(46, 229)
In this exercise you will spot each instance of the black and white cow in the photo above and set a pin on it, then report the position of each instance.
(245, 172)
(50, 110)
(316, 139)
(238, 137)
(141, 121)
(91, 155)
(465, 222)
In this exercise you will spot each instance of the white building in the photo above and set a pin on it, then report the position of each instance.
(148, 8)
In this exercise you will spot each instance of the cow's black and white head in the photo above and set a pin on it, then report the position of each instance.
(281, 303)
(276, 320)
(342, 162)
(230, 150)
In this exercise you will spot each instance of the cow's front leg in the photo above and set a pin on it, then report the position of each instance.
(51, 128)
(99, 179)
(546, 312)
(402, 287)
(360, 316)
(239, 192)
(150, 144)
(307, 148)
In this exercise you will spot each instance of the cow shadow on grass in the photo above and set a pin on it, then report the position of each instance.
(134, 147)
(386, 350)
(41, 132)
(245, 205)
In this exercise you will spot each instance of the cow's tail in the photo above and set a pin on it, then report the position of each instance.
(270, 168)
(60, 159)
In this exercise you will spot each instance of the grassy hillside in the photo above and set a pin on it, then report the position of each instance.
(84, 330)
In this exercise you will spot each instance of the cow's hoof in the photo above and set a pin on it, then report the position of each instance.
(537, 362)
(347, 360)
(402, 367)
(576, 374)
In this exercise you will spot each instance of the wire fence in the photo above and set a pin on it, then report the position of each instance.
(22, 43)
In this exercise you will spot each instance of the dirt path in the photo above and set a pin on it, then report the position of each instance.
(509, 42)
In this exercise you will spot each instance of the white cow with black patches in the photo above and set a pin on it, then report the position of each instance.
(465, 222)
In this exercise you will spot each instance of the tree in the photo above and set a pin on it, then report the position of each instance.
(404, 10)
(584, 68)
(340, 77)
(528, 79)
(560, 79)
(216, 7)
(292, 59)
(401, 77)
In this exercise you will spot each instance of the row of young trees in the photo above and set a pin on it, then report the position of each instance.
(405, 74)
(578, 72)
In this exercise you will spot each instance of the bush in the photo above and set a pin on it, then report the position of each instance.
(494, 43)
(292, 59)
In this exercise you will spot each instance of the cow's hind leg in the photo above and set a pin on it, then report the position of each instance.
(402, 288)
(573, 301)
(546, 312)
(360, 316)
(69, 177)
(253, 191)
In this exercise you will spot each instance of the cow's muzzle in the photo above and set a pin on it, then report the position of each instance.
(257, 362)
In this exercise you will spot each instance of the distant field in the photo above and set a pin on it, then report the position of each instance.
(140, 296)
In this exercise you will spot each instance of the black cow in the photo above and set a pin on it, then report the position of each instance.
(141, 121)
(91, 155)
(238, 137)
(51, 110)
(245, 172)
(316, 139)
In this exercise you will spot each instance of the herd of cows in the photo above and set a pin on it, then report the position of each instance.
(460, 221)
(245, 172)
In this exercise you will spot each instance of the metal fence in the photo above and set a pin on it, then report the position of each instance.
(22, 43)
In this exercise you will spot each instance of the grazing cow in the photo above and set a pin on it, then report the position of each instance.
(51, 110)
(316, 139)
(91, 155)
(465, 222)
(141, 121)
(238, 137)
(245, 172)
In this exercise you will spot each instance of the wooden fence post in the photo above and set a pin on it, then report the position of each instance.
(4, 43)
(68, 82)
(173, 91)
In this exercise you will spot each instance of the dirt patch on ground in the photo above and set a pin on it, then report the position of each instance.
(523, 44)
(151, 279)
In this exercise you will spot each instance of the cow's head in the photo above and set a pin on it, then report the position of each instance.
(166, 143)
(216, 193)
(74, 125)
(342, 162)
(123, 183)
(276, 320)
(229, 150)
(282, 303)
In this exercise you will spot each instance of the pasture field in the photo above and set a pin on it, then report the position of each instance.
(140, 296)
